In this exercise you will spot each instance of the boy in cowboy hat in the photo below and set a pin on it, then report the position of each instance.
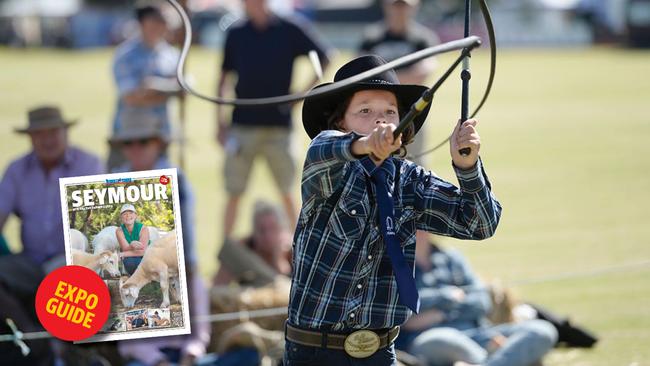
(29, 189)
(354, 245)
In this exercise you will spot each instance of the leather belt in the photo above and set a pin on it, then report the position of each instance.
(360, 344)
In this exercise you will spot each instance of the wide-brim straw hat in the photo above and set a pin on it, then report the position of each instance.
(43, 118)
(137, 124)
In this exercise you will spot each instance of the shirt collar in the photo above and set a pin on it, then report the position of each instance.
(67, 160)
(272, 21)
(162, 163)
(387, 165)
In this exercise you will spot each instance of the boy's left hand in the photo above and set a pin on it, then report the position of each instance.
(465, 135)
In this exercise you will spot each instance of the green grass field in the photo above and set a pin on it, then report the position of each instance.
(564, 143)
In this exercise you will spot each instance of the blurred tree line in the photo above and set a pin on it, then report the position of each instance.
(90, 221)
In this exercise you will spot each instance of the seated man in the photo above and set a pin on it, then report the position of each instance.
(258, 258)
(133, 237)
(452, 327)
(29, 189)
(261, 265)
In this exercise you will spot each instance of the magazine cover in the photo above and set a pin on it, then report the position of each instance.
(127, 228)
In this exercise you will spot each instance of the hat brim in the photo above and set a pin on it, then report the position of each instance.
(121, 138)
(316, 111)
(65, 124)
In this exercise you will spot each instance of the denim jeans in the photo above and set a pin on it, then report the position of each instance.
(131, 264)
(527, 342)
(298, 355)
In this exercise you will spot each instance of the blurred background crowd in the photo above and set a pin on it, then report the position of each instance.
(81, 24)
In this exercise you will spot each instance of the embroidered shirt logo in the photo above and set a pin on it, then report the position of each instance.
(389, 226)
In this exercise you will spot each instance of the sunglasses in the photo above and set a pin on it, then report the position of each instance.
(140, 142)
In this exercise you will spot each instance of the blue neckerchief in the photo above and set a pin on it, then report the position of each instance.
(408, 293)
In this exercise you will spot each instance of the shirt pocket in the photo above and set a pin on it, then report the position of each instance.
(407, 226)
(350, 215)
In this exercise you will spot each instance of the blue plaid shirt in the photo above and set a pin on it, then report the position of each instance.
(342, 276)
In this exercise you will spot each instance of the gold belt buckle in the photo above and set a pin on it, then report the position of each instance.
(361, 344)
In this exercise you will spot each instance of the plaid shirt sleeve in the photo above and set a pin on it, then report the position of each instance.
(325, 164)
(468, 212)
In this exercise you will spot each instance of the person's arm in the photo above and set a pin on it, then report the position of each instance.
(143, 97)
(476, 302)
(8, 195)
(4, 247)
(144, 236)
(3, 220)
(223, 277)
(424, 320)
(326, 156)
(130, 86)
(121, 240)
(224, 87)
(469, 212)
(440, 297)
(306, 39)
(331, 149)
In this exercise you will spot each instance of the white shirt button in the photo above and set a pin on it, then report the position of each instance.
(369, 257)
(359, 286)
(354, 212)
(351, 315)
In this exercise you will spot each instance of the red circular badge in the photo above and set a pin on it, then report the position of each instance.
(72, 303)
(164, 180)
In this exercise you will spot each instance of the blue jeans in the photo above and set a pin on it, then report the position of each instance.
(527, 342)
(131, 264)
(298, 355)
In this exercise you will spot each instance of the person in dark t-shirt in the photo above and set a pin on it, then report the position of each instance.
(260, 51)
(399, 35)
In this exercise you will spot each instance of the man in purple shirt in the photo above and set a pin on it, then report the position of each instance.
(30, 190)
(30, 186)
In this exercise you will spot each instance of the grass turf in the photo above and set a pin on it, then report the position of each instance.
(564, 144)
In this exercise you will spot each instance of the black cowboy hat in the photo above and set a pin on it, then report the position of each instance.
(317, 110)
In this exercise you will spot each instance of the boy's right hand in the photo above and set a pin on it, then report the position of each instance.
(380, 144)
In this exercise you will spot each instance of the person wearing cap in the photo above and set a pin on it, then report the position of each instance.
(29, 189)
(259, 53)
(144, 70)
(142, 138)
(397, 35)
(133, 237)
(354, 245)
